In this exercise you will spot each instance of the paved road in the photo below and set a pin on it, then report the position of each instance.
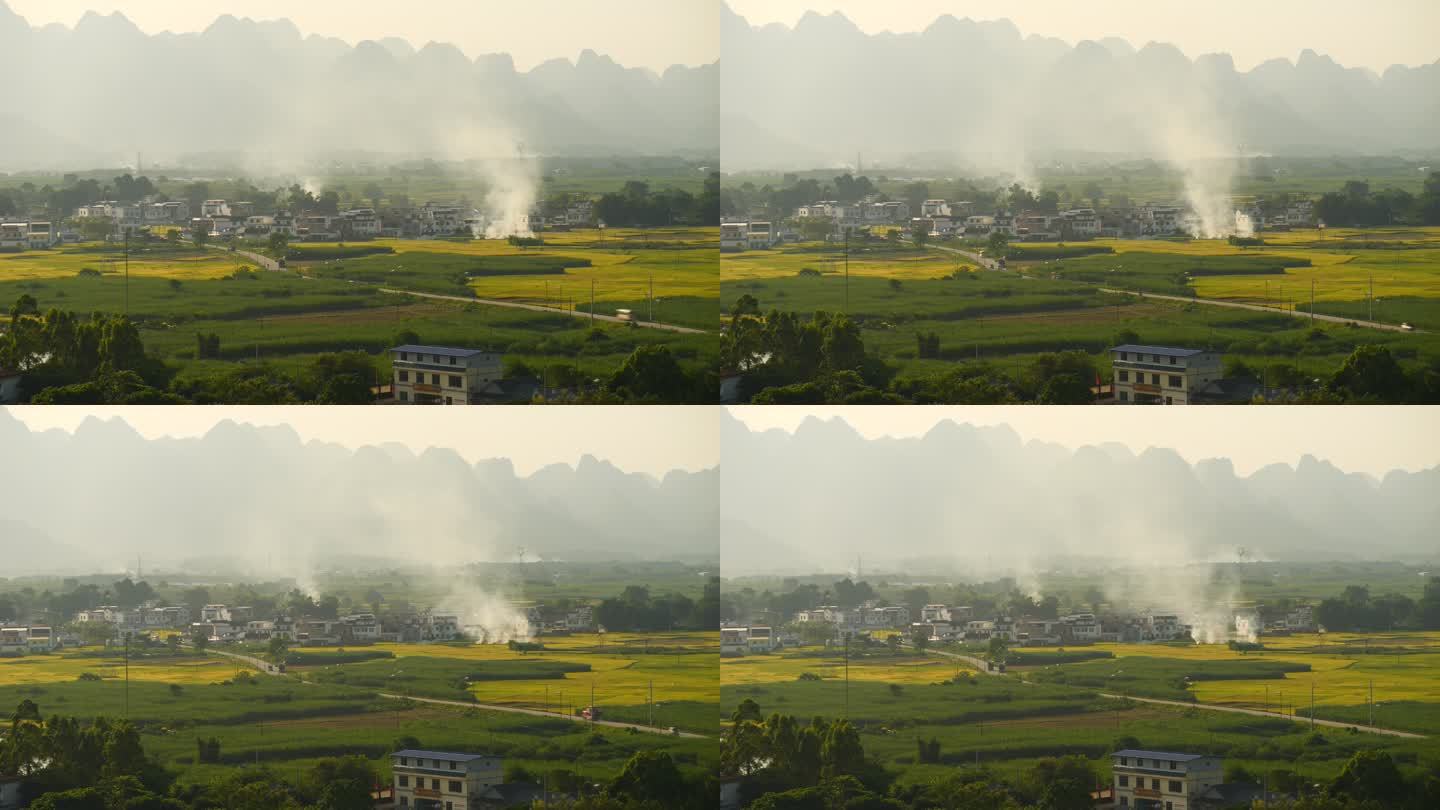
(1258, 713)
(494, 707)
(978, 663)
(988, 264)
(552, 310)
(270, 669)
(1389, 327)
(260, 664)
(270, 264)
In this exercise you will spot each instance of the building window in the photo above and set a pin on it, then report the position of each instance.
(1155, 783)
(404, 801)
(456, 786)
(1124, 760)
(1172, 361)
(1124, 355)
(404, 355)
(403, 781)
(1177, 786)
(1174, 383)
(455, 381)
(452, 361)
(404, 760)
(434, 379)
(404, 376)
(404, 396)
(452, 766)
(1124, 376)
(1124, 801)
(1154, 379)
(435, 783)
(1124, 781)
(1172, 765)
(1124, 396)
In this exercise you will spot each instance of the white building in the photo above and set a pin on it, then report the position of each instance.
(437, 219)
(434, 375)
(361, 222)
(440, 626)
(1082, 222)
(210, 209)
(759, 639)
(1161, 779)
(734, 641)
(1161, 374)
(733, 236)
(443, 780)
(362, 626)
(930, 209)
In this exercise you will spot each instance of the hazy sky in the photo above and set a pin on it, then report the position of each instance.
(636, 439)
(1376, 35)
(1372, 439)
(637, 33)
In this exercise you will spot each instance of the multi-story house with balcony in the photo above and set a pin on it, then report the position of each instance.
(1162, 374)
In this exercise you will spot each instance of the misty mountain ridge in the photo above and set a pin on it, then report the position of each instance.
(986, 94)
(262, 494)
(988, 501)
(283, 98)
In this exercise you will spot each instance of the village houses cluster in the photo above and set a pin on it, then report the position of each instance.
(944, 219)
(226, 623)
(223, 218)
(945, 623)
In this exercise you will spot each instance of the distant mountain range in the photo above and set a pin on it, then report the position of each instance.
(821, 92)
(105, 89)
(980, 498)
(262, 497)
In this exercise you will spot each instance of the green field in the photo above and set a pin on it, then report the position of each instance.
(1039, 305)
(330, 305)
(621, 669)
(1341, 667)
(318, 710)
(1007, 723)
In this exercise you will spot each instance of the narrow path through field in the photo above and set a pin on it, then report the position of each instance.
(988, 264)
(1259, 713)
(495, 707)
(1388, 327)
(980, 665)
(270, 264)
(270, 669)
(552, 310)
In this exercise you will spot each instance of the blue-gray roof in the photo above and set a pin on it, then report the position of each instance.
(447, 756)
(1170, 755)
(1168, 351)
(443, 351)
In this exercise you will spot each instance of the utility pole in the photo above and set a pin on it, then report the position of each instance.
(847, 677)
(1312, 705)
(847, 271)
(592, 295)
(652, 704)
(127, 676)
(127, 272)
(1372, 297)
(592, 703)
(1372, 704)
(652, 297)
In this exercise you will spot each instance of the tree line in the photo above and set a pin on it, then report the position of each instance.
(637, 610)
(636, 205)
(1356, 205)
(1356, 610)
(69, 764)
